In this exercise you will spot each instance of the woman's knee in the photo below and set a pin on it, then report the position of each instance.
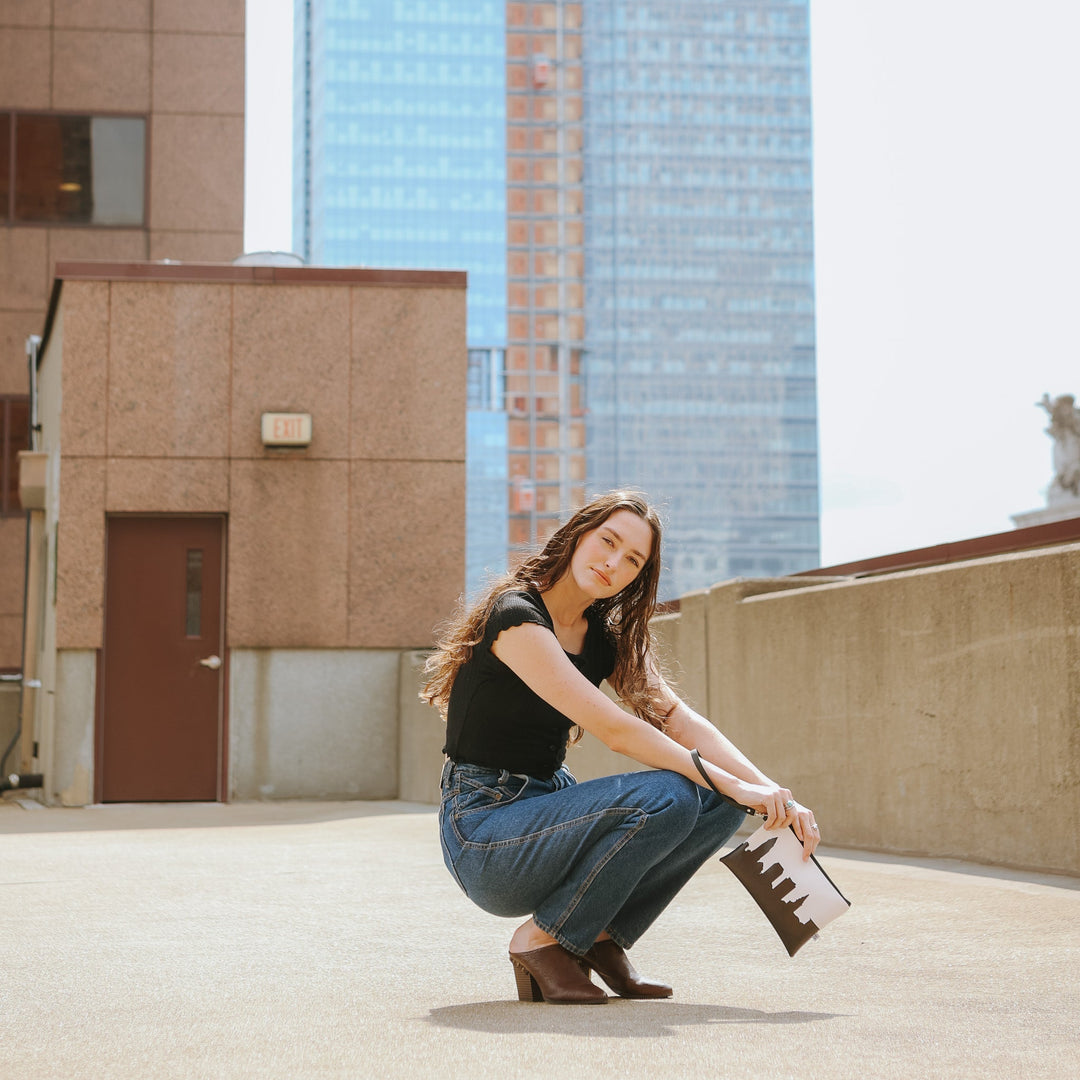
(673, 797)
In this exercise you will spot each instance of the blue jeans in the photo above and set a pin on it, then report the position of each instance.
(607, 854)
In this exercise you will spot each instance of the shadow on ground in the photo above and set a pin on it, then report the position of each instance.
(618, 1019)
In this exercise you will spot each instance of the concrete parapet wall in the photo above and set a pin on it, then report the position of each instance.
(932, 711)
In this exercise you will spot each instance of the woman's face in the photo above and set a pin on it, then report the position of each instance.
(609, 557)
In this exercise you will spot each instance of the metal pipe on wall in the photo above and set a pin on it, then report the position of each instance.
(26, 778)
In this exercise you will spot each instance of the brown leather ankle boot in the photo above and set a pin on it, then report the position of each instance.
(552, 974)
(612, 964)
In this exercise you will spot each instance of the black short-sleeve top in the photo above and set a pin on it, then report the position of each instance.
(494, 719)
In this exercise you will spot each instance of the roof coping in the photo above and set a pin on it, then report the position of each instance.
(230, 274)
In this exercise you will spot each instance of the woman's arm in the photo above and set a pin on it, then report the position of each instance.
(691, 730)
(533, 654)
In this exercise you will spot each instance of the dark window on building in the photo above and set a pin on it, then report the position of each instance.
(5, 165)
(14, 436)
(88, 170)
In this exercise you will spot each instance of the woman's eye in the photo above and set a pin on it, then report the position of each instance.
(609, 541)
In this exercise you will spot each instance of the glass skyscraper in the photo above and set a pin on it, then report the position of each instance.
(399, 154)
(699, 278)
(628, 184)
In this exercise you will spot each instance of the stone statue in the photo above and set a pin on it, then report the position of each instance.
(1064, 429)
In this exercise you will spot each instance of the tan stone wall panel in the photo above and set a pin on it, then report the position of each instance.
(409, 373)
(25, 63)
(197, 173)
(287, 558)
(291, 354)
(122, 245)
(25, 13)
(11, 641)
(15, 327)
(84, 369)
(406, 550)
(194, 246)
(102, 14)
(199, 73)
(24, 273)
(200, 16)
(100, 70)
(80, 575)
(167, 486)
(169, 370)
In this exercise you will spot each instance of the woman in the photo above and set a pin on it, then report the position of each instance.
(593, 864)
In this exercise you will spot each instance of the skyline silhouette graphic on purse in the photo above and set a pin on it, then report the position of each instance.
(795, 894)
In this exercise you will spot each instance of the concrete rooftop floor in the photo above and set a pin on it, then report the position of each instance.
(327, 940)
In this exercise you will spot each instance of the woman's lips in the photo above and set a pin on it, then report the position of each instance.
(601, 575)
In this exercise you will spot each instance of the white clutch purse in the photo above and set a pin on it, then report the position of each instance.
(795, 894)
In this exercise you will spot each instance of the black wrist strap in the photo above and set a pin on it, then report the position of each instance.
(696, 758)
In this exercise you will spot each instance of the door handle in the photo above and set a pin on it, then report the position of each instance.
(212, 662)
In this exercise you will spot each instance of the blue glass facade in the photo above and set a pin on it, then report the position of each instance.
(485, 488)
(699, 271)
(486, 539)
(694, 236)
(400, 160)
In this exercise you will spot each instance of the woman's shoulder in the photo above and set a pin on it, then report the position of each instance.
(514, 608)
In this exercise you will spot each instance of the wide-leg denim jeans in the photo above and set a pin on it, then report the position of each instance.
(607, 854)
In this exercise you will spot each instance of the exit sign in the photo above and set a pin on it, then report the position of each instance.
(286, 429)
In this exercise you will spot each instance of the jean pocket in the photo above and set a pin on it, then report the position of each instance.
(487, 794)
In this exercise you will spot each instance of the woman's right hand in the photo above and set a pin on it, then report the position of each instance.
(769, 800)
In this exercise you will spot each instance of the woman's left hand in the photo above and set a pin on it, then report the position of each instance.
(806, 829)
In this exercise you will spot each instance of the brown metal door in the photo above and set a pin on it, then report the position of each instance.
(161, 712)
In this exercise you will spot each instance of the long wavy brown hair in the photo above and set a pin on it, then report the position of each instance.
(626, 614)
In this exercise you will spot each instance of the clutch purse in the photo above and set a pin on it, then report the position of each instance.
(795, 894)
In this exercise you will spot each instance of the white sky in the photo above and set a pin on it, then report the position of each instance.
(947, 225)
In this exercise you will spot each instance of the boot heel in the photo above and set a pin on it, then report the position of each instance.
(552, 974)
(527, 988)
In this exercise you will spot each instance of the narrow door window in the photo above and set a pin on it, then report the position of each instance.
(193, 619)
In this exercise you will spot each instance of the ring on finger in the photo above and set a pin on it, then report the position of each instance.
(789, 804)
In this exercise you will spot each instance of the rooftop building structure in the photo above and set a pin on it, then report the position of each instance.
(121, 138)
(232, 527)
